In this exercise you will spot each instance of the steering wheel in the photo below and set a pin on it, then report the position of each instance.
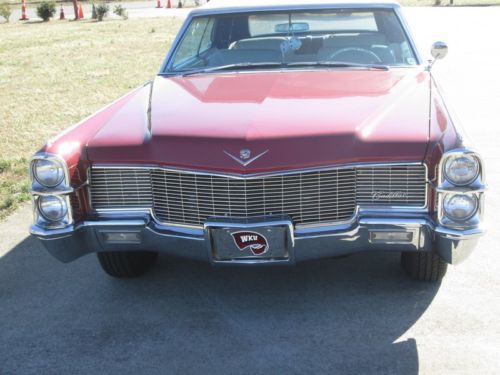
(365, 55)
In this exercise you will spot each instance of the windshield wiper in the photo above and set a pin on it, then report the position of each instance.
(239, 66)
(338, 64)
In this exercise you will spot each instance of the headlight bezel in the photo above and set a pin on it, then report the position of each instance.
(37, 186)
(453, 157)
(43, 221)
(445, 182)
(450, 196)
(61, 191)
(43, 212)
(447, 188)
(36, 175)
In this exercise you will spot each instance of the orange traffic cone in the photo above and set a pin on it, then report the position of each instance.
(158, 4)
(80, 12)
(23, 11)
(61, 14)
(169, 4)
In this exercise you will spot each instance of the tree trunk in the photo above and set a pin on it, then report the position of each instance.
(75, 7)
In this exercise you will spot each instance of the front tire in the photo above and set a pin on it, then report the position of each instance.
(126, 264)
(424, 266)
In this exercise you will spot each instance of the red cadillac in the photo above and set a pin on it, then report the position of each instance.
(272, 134)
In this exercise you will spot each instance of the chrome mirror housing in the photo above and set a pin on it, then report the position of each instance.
(439, 50)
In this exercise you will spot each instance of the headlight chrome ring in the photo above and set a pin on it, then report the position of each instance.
(52, 207)
(461, 169)
(48, 172)
(460, 207)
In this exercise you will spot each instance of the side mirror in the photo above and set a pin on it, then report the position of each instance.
(439, 50)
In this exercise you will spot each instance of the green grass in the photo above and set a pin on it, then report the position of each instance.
(13, 184)
(54, 74)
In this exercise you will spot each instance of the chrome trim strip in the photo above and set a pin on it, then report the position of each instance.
(462, 189)
(406, 29)
(68, 230)
(113, 223)
(305, 6)
(408, 223)
(195, 236)
(460, 234)
(116, 213)
(258, 174)
(409, 209)
(148, 112)
(51, 192)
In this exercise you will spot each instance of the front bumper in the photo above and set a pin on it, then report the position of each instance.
(305, 243)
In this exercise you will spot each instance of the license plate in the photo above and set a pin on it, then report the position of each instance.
(255, 243)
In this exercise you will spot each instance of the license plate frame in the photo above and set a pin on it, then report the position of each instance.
(250, 243)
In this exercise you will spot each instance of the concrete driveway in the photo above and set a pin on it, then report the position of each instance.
(354, 315)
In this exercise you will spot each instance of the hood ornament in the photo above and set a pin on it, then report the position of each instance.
(245, 156)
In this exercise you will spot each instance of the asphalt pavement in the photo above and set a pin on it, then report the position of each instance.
(357, 315)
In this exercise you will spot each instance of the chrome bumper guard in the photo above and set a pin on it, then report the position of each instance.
(415, 232)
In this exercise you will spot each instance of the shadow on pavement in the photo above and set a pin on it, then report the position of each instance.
(341, 315)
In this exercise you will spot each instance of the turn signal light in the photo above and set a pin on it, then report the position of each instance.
(122, 237)
(391, 236)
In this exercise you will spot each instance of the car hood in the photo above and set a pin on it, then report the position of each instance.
(293, 119)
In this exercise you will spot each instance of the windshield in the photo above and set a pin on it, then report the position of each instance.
(291, 39)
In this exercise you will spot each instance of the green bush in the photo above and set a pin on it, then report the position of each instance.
(102, 10)
(5, 11)
(121, 12)
(45, 10)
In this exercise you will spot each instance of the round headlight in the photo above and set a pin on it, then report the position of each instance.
(48, 172)
(461, 169)
(460, 207)
(52, 207)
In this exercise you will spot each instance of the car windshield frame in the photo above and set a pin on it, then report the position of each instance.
(165, 69)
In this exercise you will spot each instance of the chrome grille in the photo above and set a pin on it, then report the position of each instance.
(118, 188)
(311, 197)
(398, 185)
